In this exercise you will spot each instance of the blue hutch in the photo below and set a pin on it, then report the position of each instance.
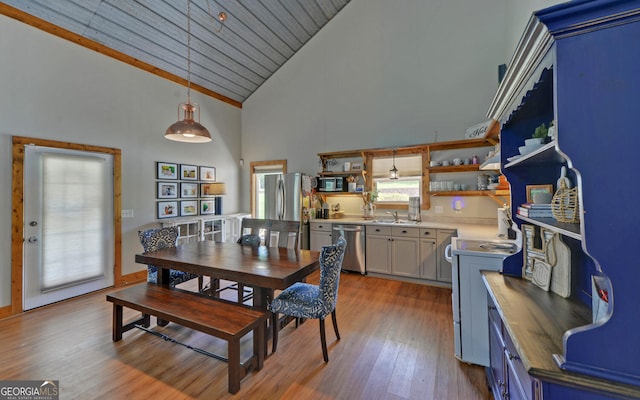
(577, 64)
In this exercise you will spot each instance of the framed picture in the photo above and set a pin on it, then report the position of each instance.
(167, 190)
(188, 172)
(188, 208)
(166, 170)
(208, 174)
(167, 209)
(188, 190)
(535, 189)
(207, 207)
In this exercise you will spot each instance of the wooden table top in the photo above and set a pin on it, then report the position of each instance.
(266, 267)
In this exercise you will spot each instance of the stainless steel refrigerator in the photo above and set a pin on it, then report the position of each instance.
(284, 201)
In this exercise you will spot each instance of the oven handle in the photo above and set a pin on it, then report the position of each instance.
(447, 253)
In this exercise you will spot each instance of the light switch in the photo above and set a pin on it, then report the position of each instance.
(127, 213)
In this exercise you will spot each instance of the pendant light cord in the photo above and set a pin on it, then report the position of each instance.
(189, 51)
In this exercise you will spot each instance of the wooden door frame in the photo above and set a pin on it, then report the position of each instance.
(17, 204)
(255, 165)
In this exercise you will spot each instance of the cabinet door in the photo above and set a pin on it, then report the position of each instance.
(379, 254)
(428, 262)
(443, 238)
(496, 373)
(319, 239)
(406, 257)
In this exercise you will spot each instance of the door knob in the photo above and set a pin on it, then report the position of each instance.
(33, 223)
(32, 239)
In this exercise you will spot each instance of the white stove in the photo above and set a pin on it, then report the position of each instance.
(469, 296)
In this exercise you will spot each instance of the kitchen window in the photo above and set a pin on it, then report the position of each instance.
(396, 192)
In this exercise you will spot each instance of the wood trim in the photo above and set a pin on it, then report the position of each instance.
(252, 167)
(17, 204)
(133, 278)
(5, 312)
(55, 30)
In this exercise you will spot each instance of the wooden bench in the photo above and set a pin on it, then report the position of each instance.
(219, 318)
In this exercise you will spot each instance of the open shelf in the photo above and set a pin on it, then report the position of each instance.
(565, 228)
(546, 154)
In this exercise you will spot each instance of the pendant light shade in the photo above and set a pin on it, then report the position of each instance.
(393, 172)
(188, 129)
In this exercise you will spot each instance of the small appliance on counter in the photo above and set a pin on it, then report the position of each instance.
(414, 209)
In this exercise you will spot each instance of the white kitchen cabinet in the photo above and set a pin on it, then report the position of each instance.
(428, 254)
(378, 247)
(319, 235)
(405, 252)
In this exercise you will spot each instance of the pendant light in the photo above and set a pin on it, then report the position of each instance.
(188, 129)
(393, 172)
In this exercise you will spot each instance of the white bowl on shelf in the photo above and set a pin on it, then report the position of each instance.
(528, 149)
(533, 141)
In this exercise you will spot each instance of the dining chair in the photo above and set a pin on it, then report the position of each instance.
(268, 232)
(162, 238)
(304, 300)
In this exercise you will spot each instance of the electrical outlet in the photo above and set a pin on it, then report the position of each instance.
(439, 209)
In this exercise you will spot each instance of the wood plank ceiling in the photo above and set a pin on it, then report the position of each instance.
(257, 38)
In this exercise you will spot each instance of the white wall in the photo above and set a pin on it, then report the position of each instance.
(54, 89)
(385, 74)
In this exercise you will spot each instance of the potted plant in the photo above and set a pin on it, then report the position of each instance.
(539, 136)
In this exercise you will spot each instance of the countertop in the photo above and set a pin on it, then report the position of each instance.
(466, 230)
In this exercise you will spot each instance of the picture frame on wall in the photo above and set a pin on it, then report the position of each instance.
(188, 208)
(188, 172)
(207, 207)
(165, 170)
(167, 209)
(167, 190)
(208, 174)
(211, 189)
(188, 190)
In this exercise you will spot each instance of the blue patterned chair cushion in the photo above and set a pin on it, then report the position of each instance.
(250, 240)
(161, 238)
(304, 300)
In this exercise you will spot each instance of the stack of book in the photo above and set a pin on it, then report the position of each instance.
(535, 210)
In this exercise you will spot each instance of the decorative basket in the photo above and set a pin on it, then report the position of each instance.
(564, 204)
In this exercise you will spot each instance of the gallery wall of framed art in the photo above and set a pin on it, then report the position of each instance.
(187, 190)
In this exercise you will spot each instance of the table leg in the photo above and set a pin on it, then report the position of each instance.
(261, 299)
(163, 278)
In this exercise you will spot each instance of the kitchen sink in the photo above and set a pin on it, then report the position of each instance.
(392, 222)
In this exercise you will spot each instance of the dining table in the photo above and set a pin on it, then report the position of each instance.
(264, 269)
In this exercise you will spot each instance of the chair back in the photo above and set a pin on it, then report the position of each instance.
(330, 266)
(273, 233)
(159, 238)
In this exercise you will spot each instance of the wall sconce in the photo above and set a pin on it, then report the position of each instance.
(457, 204)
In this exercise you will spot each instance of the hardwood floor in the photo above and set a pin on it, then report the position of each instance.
(397, 343)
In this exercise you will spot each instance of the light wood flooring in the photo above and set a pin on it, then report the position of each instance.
(397, 343)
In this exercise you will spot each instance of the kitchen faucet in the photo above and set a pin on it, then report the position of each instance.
(395, 215)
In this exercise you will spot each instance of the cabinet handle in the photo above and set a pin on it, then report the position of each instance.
(427, 233)
(404, 231)
(512, 357)
(492, 307)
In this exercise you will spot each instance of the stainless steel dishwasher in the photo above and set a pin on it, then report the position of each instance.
(354, 255)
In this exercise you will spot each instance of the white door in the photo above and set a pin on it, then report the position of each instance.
(68, 224)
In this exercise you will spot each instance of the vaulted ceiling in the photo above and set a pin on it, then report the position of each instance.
(228, 62)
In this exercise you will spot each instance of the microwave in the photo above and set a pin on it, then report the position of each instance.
(331, 184)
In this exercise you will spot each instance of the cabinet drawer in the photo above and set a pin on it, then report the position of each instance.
(378, 230)
(404, 231)
(427, 233)
(519, 371)
(320, 226)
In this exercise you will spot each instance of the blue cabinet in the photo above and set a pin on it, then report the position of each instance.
(577, 64)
